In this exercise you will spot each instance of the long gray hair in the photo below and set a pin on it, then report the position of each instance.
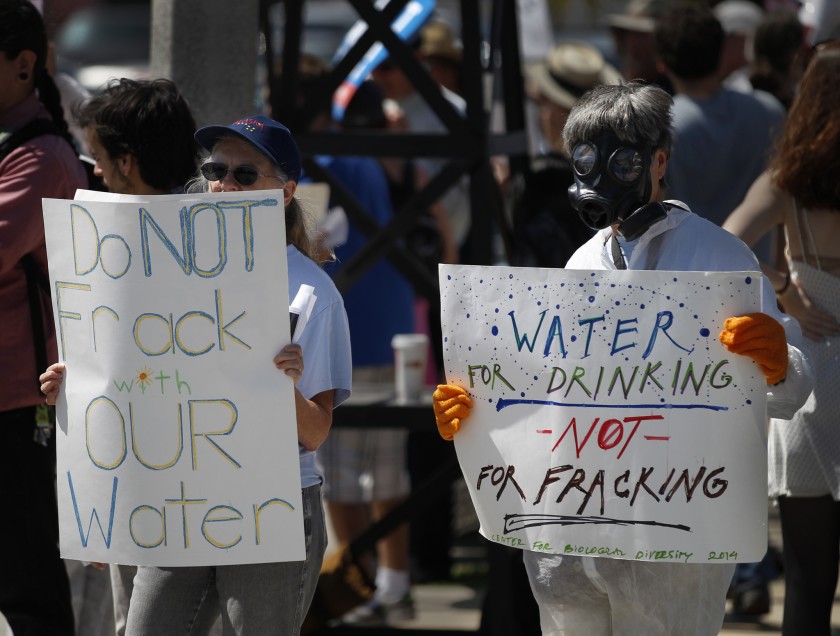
(636, 113)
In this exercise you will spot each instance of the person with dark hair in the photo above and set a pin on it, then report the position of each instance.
(258, 153)
(800, 191)
(632, 34)
(141, 135)
(620, 139)
(778, 59)
(722, 138)
(739, 19)
(546, 231)
(34, 588)
(365, 467)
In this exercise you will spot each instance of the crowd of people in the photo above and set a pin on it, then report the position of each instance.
(732, 117)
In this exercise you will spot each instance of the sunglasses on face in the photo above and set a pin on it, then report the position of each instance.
(244, 175)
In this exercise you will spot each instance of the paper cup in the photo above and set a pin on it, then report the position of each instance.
(410, 351)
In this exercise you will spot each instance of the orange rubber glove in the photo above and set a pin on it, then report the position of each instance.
(452, 406)
(761, 338)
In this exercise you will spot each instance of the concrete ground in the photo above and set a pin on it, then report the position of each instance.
(457, 606)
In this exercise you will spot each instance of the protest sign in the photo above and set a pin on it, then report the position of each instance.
(173, 446)
(412, 16)
(608, 419)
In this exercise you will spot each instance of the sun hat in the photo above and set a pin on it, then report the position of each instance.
(569, 70)
(639, 16)
(438, 40)
(271, 137)
(738, 16)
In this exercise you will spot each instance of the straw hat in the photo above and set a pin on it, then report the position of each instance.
(569, 70)
(438, 40)
(639, 16)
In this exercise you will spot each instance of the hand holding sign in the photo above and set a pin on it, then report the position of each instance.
(760, 337)
(452, 406)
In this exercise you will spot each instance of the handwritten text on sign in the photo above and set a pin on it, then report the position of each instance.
(168, 312)
(608, 419)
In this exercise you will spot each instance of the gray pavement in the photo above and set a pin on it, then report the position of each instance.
(458, 606)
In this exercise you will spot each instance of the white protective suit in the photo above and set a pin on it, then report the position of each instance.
(590, 596)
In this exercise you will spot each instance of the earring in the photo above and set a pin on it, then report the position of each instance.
(23, 75)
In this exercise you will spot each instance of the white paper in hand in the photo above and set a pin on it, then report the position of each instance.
(301, 309)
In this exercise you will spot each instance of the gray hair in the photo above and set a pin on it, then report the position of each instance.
(636, 113)
(298, 222)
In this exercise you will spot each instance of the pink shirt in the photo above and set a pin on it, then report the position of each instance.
(44, 167)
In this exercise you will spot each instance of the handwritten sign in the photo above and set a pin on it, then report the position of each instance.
(608, 420)
(172, 446)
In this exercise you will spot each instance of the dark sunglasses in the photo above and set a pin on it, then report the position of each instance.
(244, 175)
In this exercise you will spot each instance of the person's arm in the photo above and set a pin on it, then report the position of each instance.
(764, 208)
(314, 417)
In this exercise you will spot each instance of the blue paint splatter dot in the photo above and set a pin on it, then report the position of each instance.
(592, 299)
(749, 401)
(748, 280)
(495, 330)
(705, 332)
(573, 338)
(617, 303)
(497, 311)
(642, 306)
(522, 394)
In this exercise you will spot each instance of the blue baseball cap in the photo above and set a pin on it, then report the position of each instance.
(270, 136)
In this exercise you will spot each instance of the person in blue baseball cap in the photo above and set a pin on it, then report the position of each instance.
(258, 153)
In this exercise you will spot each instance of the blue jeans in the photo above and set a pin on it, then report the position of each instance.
(261, 598)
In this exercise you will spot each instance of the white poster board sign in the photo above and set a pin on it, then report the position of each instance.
(172, 449)
(608, 419)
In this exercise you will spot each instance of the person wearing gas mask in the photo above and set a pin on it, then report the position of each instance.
(621, 138)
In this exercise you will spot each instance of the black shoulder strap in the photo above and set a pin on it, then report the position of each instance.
(34, 128)
(36, 281)
(35, 284)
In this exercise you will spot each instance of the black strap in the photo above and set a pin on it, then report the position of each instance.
(35, 283)
(36, 280)
(617, 256)
(35, 128)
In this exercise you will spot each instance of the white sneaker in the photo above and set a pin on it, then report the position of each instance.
(377, 613)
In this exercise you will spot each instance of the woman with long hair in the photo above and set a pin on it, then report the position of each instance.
(36, 161)
(801, 191)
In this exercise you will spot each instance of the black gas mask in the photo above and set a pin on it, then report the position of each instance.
(612, 180)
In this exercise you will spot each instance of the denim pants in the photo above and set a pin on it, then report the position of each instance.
(261, 598)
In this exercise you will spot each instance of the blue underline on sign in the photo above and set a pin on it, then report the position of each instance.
(503, 403)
